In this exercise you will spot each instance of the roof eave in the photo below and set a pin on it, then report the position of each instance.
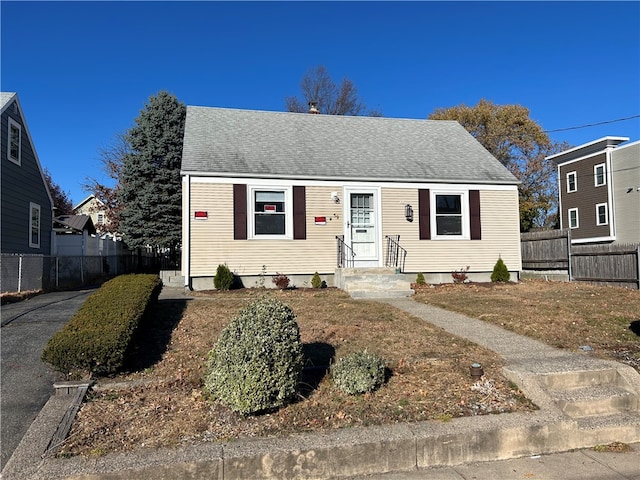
(350, 179)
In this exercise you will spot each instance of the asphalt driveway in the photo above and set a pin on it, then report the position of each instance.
(27, 382)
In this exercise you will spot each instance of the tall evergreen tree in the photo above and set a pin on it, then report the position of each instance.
(150, 192)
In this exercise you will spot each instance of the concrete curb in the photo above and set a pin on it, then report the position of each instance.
(334, 454)
(350, 452)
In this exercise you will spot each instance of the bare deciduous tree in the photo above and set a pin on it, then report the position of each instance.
(331, 99)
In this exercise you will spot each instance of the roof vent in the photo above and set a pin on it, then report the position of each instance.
(313, 107)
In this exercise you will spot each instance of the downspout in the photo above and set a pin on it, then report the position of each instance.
(186, 230)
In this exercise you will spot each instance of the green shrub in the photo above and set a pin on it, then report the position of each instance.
(257, 360)
(358, 372)
(223, 279)
(316, 281)
(420, 279)
(500, 272)
(97, 338)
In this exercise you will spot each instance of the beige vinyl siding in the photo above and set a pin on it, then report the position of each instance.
(626, 182)
(212, 243)
(500, 234)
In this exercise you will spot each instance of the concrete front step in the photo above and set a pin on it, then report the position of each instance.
(611, 422)
(380, 293)
(593, 400)
(376, 282)
(579, 378)
(172, 278)
(592, 394)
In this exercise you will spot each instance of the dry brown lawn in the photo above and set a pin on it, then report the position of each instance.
(561, 314)
(160, 402)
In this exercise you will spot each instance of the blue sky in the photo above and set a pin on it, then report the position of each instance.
(84, 70)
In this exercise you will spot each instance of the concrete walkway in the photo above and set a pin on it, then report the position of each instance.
(518, 351)
(546, 444)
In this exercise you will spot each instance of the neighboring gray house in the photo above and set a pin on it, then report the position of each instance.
(26, 210)
(599, 191)
(293, 193)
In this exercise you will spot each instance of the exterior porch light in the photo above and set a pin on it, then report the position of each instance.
(408, 212)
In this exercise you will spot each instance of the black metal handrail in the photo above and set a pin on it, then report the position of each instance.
(345, 253)
(396, 255)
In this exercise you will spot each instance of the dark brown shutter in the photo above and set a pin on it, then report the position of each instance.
(424, 214)
(239, 212)
(299, 214)
(474, 215)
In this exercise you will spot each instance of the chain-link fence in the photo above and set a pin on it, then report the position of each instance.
(22, 272)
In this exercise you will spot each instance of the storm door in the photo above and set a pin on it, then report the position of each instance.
(362, 230)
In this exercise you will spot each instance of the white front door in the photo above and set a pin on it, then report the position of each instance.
(362, 229)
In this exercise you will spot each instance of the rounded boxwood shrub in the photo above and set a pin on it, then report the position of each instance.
(500, 272)
(257, 360)
(359, 372)
(223, 278)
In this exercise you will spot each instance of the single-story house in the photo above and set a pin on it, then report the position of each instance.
(292, 193)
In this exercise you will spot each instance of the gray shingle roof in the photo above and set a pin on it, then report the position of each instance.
(4, 98)
(249, 143)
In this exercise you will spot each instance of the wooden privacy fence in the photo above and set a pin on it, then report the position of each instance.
(610, 264)
(547, 250)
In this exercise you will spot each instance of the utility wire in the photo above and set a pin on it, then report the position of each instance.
(591, 124)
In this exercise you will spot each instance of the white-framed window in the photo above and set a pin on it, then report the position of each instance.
(14, 149)
(450, 217)
(602, 214)
(100, 219)
(34, 225)
(599, 177)
(271, 212)
(572, 182)
(574, 222)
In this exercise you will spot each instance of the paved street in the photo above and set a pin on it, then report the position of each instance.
(27, 382)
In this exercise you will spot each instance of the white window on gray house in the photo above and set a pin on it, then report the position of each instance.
(572, 182)
(270, 212)
(599, 177)
(450, 213)
(602, 214)
(14, 151)
(100, 218)
(573, 218)
(34, 225)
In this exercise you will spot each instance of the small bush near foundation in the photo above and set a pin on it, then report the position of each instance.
(98, 336)
(316, 281)
(420, 279)
(500, 272)
(281, 281)
(359, 372)
(223, 279)
(256, 363)
(460, 276)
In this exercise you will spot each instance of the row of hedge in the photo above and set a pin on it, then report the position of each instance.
(98, 336)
